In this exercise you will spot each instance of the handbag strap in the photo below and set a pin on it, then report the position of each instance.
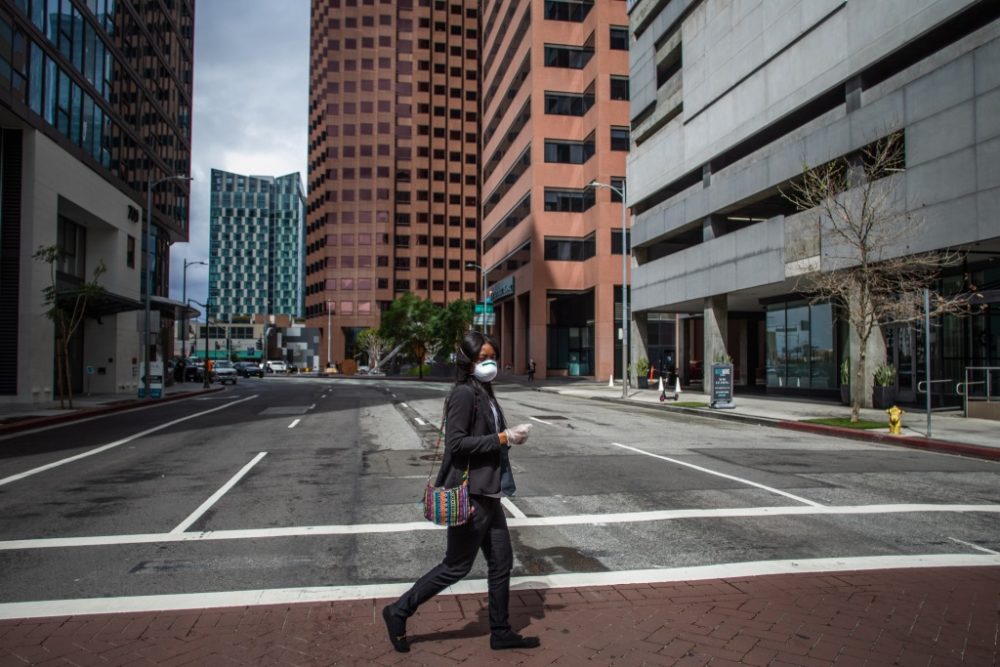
(444, 417)
(441, 430)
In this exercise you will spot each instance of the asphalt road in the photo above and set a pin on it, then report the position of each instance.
(285, 483)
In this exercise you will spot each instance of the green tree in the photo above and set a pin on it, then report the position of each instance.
(67, 308)
(452, 323)
(410, 320)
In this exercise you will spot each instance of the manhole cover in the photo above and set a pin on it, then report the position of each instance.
(286, 410)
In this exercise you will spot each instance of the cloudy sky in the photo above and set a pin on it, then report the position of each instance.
(251, 97)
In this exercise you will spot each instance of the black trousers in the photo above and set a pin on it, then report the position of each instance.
(487, 531)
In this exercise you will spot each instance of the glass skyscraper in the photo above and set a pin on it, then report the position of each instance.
(256, 245)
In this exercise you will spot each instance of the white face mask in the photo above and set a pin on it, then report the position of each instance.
(485, 371)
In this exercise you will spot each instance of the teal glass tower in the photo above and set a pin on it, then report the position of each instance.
(256, 233)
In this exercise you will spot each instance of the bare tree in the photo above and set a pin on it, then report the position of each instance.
(372, 342)
(67, 307)
(866, 264)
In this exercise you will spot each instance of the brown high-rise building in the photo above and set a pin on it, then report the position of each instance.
(555, 118)
(392, 174)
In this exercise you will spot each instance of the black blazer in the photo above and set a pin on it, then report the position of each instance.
(471, 440)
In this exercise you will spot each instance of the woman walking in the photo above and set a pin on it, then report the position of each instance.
(476, 440)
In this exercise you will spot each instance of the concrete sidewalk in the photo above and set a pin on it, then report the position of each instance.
(950, 431)
(15, 417)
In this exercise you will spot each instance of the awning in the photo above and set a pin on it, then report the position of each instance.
(101, 304)
(172, 308)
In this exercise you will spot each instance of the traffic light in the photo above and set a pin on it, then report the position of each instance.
(259, 344)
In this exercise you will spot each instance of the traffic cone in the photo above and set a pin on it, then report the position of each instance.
(661, 384)
(677, 389)
(611, 380)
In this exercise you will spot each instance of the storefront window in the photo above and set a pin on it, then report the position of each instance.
(800, 346)
(824, 359)
(776, 346)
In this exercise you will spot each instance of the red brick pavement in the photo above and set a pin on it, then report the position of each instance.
(941, 616)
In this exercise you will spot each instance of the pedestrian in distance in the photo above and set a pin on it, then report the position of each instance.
(477, 440)
(531, 370)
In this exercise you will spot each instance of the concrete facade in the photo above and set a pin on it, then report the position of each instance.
(89, 120)
(766, 88)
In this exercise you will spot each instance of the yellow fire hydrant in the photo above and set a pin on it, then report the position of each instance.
(895, 420)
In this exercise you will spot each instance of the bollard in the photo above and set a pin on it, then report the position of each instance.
(895, 420)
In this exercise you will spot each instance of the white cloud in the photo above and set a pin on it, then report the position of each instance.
(251, 98)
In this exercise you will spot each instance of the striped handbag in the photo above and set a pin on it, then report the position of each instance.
(444, 506)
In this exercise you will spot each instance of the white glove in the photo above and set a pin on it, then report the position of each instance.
(517, 435)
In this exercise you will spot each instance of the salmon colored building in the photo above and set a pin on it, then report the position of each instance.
(555, 118)
(393, 165)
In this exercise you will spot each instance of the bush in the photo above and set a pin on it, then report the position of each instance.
(885, 374)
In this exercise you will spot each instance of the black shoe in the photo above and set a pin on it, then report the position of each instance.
(397, 630)
(513, 640)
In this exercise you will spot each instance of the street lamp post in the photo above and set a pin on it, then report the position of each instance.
(184, 285)
(206, 383)
(483, 272)
(625, 319)
(149, 275)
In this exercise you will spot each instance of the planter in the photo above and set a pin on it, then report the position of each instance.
(883, 397)
(643, 382)
(845, 394)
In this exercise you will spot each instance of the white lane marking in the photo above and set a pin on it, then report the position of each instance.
(420, 421)
(528, 522)
(974, 546)
(294, 423)
(214, 498)
(117, 443)
(311, 407)
(541, 421)
(283, 596)
(402, 405)
(512, 508)
(721, 474)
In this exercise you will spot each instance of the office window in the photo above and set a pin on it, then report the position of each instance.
(570, 250)
(568, 104)
(569, 152)
(130, 252)
(568, 201)
(619, 138)
(619, 38)
(571, 57)
(567, 10)
(619, 87)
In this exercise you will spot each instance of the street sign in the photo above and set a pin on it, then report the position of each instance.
(479, 308)
(490, 318)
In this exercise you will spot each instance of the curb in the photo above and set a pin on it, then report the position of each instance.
(86, 413)
(913, 442)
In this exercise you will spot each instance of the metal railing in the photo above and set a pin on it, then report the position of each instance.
(922, 389)
(979, 390)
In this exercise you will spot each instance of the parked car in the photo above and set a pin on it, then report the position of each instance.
(275, 367)
(194, 370)
(224, 372)
(248, 369)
